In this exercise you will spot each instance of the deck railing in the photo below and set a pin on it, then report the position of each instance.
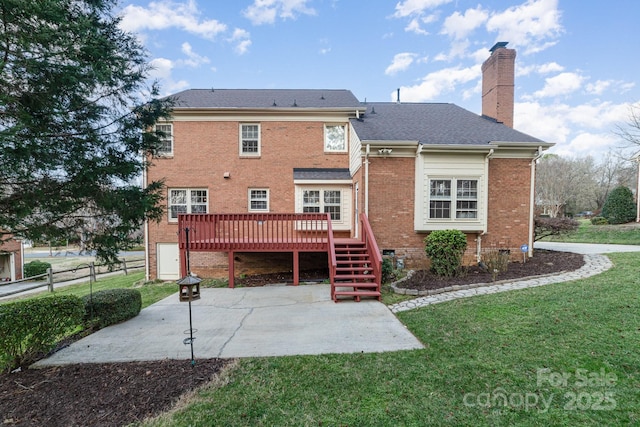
(372, 247)
(255, 231)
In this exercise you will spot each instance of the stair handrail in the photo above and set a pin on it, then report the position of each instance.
(372, 248)
(333, 263)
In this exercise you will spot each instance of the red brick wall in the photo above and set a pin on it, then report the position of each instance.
(15, 247)
(509, 202)
(205, 151)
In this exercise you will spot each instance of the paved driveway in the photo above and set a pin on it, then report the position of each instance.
(246, 322)
(586, 248)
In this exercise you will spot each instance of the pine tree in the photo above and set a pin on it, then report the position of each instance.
(76, 124)
(619, 208)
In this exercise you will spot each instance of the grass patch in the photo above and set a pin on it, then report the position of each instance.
(478, 350)
(623, 234)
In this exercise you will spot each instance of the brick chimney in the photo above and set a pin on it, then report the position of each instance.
(498, 83)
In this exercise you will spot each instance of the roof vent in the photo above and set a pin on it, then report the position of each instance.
(295, 104)
(274, 103)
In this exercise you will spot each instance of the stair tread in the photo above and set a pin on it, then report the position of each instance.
(361, 293)
(354, 276)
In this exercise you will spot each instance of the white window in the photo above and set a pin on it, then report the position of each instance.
(442, 199)
(249, 140)
(326, 201)
(335, 138)
(164, 133)
(184, 200)
(258, 200)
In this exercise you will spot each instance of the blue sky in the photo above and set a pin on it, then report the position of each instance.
(577, 62)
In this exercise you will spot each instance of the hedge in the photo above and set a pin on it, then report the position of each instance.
(445, 248)
(35, 268)
(32, 327)
(111, 306)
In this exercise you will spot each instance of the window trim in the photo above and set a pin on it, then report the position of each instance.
(453, 200)
(188, 201)
(244, 154)
(252, 199)
(345, 138)
(163, 139)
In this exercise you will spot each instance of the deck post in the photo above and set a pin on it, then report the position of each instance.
(231, 270)
(296, 268)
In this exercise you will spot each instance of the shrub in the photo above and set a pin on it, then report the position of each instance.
(496, 261)
(545, 227)
(111, 306)
(387, 270)
(35, 268)
(445, 249)
(32, 327)
(619, 208)
(599, 220)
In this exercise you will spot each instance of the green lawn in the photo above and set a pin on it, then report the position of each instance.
(624, 234)
(563, 354)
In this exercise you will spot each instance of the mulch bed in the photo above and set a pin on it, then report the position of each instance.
(543, 262)
(118, 394)
(114, 394)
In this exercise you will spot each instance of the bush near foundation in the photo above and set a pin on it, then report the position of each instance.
(111, 306)
(445, 249)
(545, 227)
(32, 327)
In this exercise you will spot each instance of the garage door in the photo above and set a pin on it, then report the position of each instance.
(168, 261)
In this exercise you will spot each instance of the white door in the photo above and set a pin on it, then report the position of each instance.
(168, 261)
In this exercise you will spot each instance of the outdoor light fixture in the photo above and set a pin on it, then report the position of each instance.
(227, 175)
(385, 151)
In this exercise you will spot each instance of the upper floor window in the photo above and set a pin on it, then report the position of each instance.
(335, 138)
(186, 200)
(165, 135)
(249, 140)
(258, 200)
(463, 202)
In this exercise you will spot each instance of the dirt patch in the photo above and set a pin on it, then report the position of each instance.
(543, 262)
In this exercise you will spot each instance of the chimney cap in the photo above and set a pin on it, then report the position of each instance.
(498, 45)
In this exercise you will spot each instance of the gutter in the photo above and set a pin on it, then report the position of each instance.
(366, 179)
(485, 222)
(147, 275)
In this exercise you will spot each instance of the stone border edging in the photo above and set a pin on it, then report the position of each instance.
(593, 264)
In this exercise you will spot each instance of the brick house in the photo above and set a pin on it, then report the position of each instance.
(410, 168)
(11, 257)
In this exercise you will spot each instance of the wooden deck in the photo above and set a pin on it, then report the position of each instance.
(269, 232)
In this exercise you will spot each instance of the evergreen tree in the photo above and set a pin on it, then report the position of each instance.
(619, 208)
(76, 124)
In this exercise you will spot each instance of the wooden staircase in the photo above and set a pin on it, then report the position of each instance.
(355, 275)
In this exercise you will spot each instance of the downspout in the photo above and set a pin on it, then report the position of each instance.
(532, 200)
(485, 221)
(366, 180)
(146, 228)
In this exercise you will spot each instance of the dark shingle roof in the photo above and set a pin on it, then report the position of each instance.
(266, 98)
(432, 124)
(321, 173)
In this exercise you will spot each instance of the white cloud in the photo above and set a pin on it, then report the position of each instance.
(400, 62)
(161, 69)
(267, 11)
(586, 129)
(414, 27)
(242, 40)
(416, 7)
(460, 26)
(458, 50)
(562, 84)
(549, 67)
(530, 25)
(164, 14)
(193, 59)
(437, 83)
